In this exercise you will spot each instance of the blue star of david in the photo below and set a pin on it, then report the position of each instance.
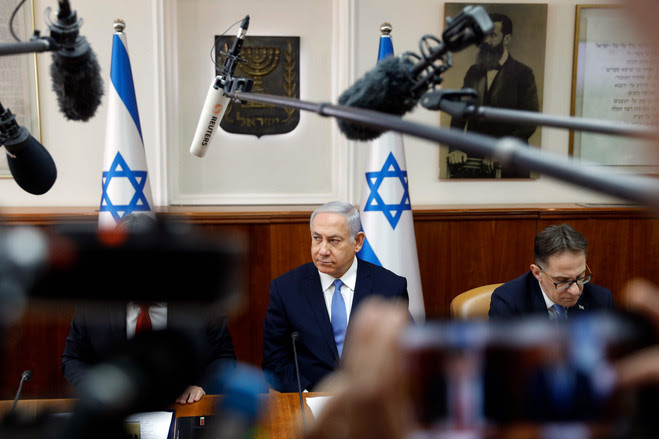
(120, 169)
(392, 212)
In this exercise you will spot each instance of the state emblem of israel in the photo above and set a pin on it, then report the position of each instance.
(274, 65)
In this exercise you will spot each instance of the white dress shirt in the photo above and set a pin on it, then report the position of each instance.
(157, 312)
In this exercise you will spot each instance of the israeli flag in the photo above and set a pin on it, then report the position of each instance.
(386, 209)
(126, 187)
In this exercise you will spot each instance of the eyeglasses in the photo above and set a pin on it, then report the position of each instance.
(567, 284)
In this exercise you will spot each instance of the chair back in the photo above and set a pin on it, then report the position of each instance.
(474, 303)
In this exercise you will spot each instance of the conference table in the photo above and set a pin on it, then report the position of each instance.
(281, 416)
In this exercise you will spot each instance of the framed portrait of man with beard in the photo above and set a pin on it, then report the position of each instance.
(507, 71)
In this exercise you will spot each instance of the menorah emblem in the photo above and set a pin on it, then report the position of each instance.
(273, 63)
(260, 62)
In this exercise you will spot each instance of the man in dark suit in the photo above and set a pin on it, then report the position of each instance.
(317, 299)
(98, 332)
(500, 81)
(558, 284)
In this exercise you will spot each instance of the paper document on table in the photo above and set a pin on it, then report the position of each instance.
(154, 425)
(316, 404)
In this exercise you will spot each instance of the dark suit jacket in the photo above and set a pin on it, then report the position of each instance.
(523, 296)
(96, 333)
(297, 304)
(513, 87)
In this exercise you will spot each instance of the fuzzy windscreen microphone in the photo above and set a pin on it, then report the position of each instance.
(396, 84)
(386, 88)
(75, 71)
(29, 162)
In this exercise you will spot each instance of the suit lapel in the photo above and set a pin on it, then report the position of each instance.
(495, 87)
(481, 88)
(313, 292)
(536, 300)
(363, 286)
(118, 323)
(581, 306)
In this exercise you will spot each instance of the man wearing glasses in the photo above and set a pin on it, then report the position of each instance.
(558, 283)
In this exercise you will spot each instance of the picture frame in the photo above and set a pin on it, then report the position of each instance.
(527, 45)
(19, 88)
(611, 80)
(241, 169)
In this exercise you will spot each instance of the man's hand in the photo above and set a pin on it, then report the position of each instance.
(190, 394)
(487, 165)
(457, 157)
(642, 367)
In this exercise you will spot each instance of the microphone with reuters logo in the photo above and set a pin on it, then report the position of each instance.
(217, 98)
(211, 115)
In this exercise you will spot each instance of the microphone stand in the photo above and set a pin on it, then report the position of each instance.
(463, 104)
(26, 376)
(508, 150)
(65, 34)
(294, 337)
(35, 45)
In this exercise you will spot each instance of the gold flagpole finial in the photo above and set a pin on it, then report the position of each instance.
(119, 25)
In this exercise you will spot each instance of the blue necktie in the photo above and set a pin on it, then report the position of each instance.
(339, 317)
(561, 312)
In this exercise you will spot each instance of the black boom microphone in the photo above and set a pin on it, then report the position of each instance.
(26, 376)
(396, 84)
(29, 162)
(294, 336)
(75, 71)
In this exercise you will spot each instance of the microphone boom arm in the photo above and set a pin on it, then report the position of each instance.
(35, 45)
(508, 150)
(463, 104)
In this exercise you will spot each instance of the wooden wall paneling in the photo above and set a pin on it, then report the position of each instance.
(274, 248)
(259, 278)
(457, 254)
(291, 246)
(459, 248)
(36, 343)
(244, 332)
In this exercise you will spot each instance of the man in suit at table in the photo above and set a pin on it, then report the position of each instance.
(558, 283)
(98, 332)
(317, 299)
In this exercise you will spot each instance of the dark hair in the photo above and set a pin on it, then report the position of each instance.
(136, 222)
(506, 23)
(554, 239)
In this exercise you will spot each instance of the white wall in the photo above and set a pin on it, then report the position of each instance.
(77, 147)
(167, 97)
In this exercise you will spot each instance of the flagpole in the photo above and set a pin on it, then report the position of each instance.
(386, 205)
(126, 188)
